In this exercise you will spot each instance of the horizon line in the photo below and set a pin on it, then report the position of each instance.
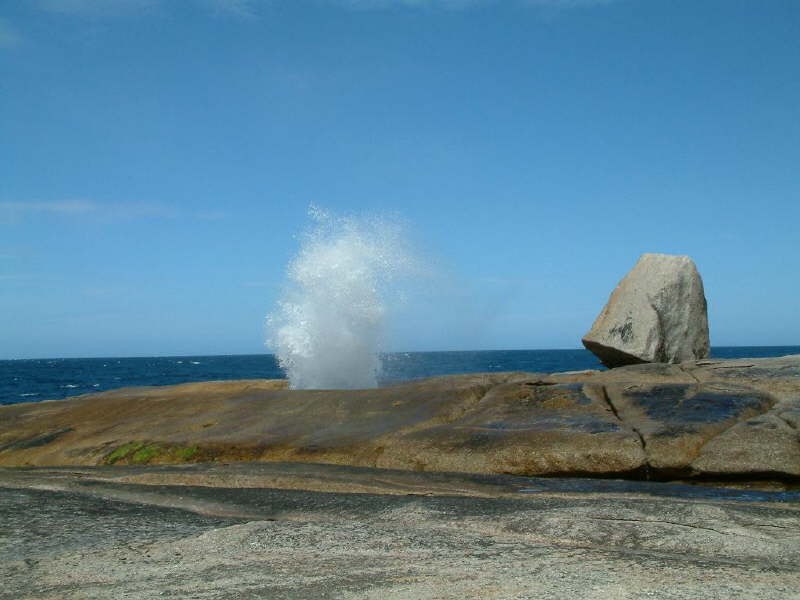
(100, 357)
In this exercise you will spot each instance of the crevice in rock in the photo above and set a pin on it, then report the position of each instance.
(660, 522)
(610, 404)
(647, 468)
(789, 423)
(738, 420)
(636, 474)
(698, 451)
(690, 374)
(751, 480)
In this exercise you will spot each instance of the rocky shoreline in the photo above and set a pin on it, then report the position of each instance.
(301, 531)
(705, 420)
(452, 487)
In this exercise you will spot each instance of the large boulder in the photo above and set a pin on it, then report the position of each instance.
(657, 313)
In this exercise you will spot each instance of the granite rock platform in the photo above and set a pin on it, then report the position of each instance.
(706, 420)
(303, 531)
(508, 486)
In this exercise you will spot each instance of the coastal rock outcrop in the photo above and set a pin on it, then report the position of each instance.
(397, 492)
(707, 420)
(657, 313)
(291, 531)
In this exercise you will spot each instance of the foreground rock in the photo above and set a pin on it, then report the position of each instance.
(656, 314)
(101, 533)
(703, 420)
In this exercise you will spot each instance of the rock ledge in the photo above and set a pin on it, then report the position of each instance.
(704, 420)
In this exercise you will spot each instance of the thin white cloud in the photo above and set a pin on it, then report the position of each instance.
(8, 35)
(14, 283)
(568, 3)
(65, 207)
(210, 215)
(121, 8)
(462, 4)
(243, 9)
(98, 8)
(15, 277)
(411, 4)
(249, 9)
(14, 212)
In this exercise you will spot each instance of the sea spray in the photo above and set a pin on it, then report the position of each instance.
(329, 326)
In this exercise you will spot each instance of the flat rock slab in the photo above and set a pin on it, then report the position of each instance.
(527, 428)
(676, 421)
(74, 533)
(712, 420)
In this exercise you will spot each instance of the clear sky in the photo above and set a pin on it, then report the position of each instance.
(158, 157)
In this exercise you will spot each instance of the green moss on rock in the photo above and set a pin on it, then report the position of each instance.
(187, 453)
(123, 452)
(142, 453)
(145, 454)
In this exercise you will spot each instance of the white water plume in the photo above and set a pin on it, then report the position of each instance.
(329, 325)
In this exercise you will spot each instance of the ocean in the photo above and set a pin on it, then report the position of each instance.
(34, 380)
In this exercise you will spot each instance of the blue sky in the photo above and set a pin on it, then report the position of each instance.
(158, 157)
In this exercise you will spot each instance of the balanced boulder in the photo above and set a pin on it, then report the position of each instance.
(657, 313)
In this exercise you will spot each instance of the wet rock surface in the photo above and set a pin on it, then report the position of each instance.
(676, 421)
(99, 532)
(701, 420)
(228, 490)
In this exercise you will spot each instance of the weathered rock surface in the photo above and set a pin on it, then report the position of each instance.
(98, 532)
(656, 314)
(702, 420)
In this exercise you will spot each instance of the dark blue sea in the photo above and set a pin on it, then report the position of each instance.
(34, 380)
